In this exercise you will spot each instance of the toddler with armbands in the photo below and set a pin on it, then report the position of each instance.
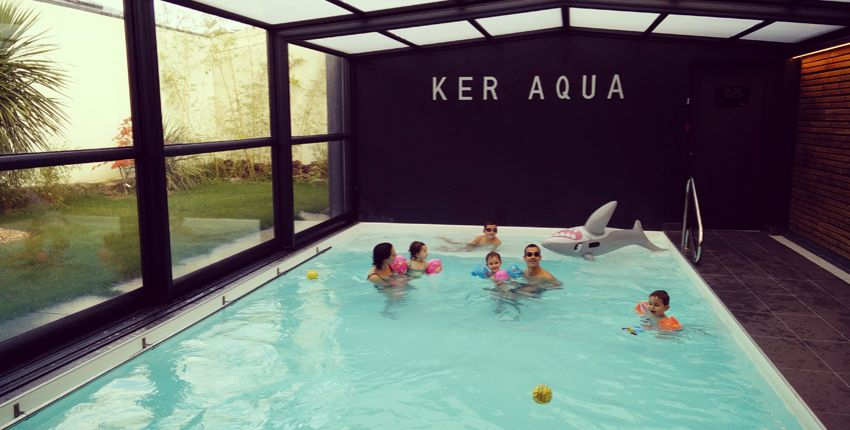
(494, 270)
(417, 266)
(655, 308)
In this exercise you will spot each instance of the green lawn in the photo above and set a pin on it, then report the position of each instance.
(90, 243)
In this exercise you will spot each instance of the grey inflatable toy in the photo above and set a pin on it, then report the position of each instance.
(595, 238)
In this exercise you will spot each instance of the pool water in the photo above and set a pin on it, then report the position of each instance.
(443, 352)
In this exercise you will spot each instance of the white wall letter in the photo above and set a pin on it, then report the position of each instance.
(435, 88)
(584, 86)
(563, 94)
(490, 88)
(536, 88)
(461, 88)
(616, 87)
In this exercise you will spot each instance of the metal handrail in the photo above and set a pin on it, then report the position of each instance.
(687, 236)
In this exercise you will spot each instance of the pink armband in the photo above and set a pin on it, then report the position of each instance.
(433, 266)
(501, 275)
(399, 265)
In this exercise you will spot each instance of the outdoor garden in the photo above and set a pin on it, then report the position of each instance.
(71, 231)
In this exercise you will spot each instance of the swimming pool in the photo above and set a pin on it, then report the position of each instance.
(447, 353)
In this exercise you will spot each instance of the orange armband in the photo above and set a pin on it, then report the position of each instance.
(669, 323)
(641, 307)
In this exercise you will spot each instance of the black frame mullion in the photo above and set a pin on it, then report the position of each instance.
(48, 159)
(281, 130)
(209, 147)
(146, 109)
(301, 140)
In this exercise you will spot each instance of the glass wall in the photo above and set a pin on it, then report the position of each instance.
(69, 233)
(219, 204)
(315, 92)
(64, 245)
(213, 77)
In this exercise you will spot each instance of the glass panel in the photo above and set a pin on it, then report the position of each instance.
(357, 43)
(315, 92)
(69, 239)
(372, 5)
(790, 32)
(520, 22)
(611, 19)
(279, 11)
(77, 57)
(213, 77)
(706, 26)
(438, 33)
(318, 183)
(218, 204)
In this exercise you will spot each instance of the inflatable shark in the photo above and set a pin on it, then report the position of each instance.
(595, 238)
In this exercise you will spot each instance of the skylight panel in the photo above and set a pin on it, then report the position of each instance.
(707, 26)
(279, 11)
(358, 43)
(371, 5)
(519, 22)
(438, 33)
(611, 19)
(790, 32)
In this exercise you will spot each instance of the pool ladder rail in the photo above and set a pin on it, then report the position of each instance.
(691, 246)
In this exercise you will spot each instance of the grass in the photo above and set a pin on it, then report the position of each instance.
(90, 243)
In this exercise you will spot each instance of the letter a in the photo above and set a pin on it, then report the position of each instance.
(536, 88)
(616, 87)
(435, 88)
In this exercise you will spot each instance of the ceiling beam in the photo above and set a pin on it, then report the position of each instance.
(822, 12)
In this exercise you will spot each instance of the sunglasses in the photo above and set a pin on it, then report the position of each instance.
(532, 254)
(494, 229)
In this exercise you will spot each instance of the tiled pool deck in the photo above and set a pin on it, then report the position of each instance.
(797, 312)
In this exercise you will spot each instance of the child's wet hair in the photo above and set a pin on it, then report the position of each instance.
(415, 247)
(380, 253)
(662, 295)
(492, 254)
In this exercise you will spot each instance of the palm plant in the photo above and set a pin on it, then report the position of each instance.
(28, 116)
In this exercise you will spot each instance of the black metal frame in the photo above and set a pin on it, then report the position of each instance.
(33, 354)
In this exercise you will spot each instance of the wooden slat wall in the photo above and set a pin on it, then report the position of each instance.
(820, 191)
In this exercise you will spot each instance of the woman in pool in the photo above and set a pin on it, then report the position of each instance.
(381, 274)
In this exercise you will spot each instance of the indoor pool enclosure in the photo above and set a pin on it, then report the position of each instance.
(197, 196)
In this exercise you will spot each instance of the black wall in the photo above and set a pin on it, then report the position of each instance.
(547, 162)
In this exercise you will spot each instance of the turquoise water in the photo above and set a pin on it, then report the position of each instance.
(443, 352)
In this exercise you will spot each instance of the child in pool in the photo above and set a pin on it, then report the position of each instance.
(655, 308)
(494, 263)
(487, 239)
(417, 265)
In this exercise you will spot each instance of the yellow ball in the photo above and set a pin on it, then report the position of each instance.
(542, 394)
(312, 274)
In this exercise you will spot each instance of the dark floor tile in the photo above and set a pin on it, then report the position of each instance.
(820, 274)
(724, 283)
(802, 287)
(744, 268)
(752, 251)
(845, 377)
(834, 421)
(822, 391)
(811, 327)
(763, 285)
(836, 354)
(784, 304)
(710, 266)
(840, 323)
(728, 255)
(825, 305)
(789, 352)
(763, 324)
(838, 289)
(742, 301)
(782, 271)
